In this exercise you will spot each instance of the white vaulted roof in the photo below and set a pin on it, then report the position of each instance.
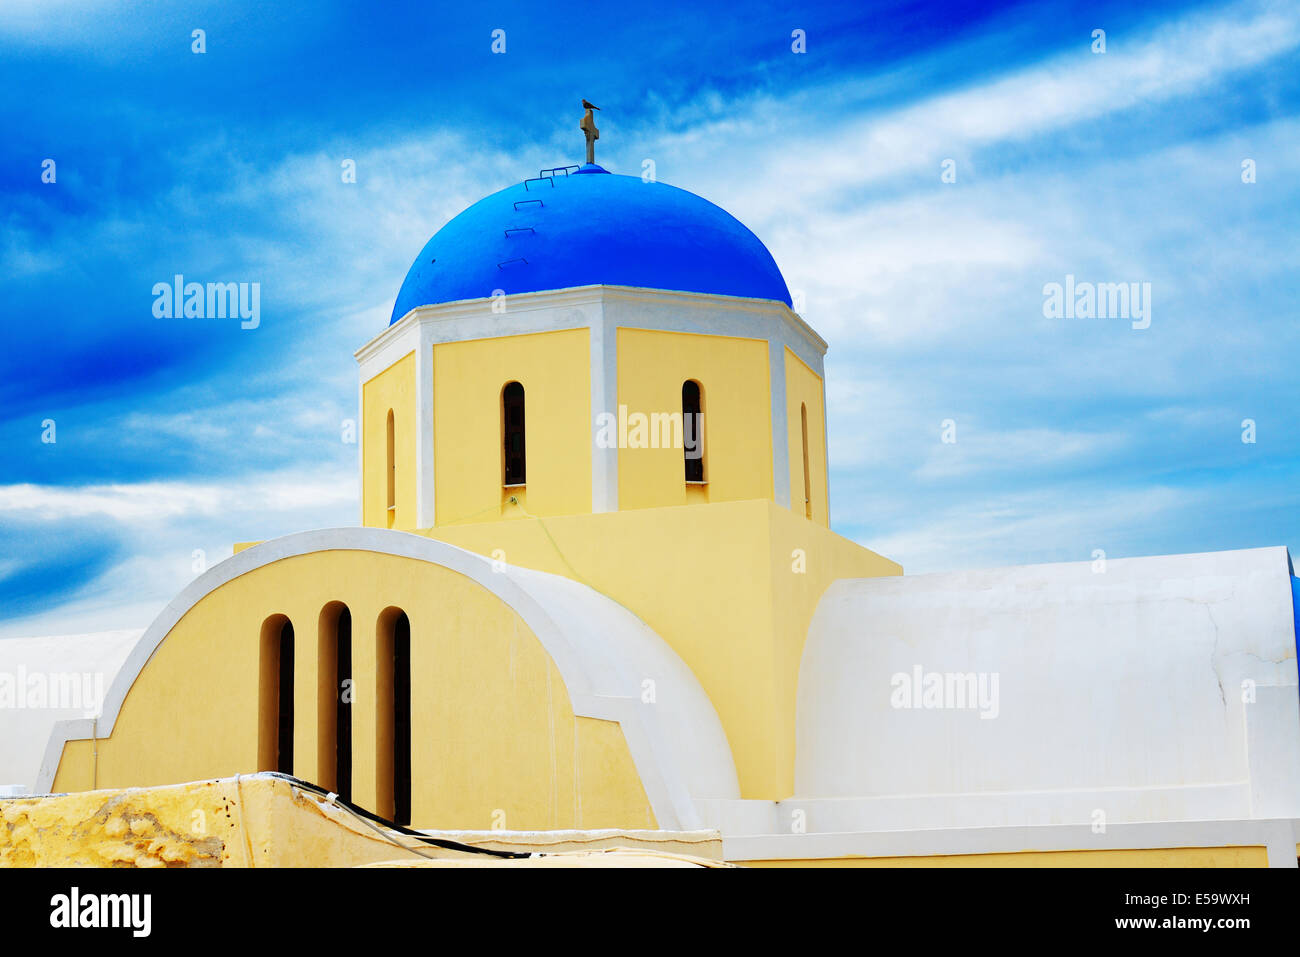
(1150, 689)
(27, 664)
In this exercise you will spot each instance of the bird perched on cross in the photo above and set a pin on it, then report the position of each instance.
(588, 127)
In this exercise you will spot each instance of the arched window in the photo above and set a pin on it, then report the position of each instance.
(393, 741)
(390, 470)
(275, 696)
(807, 481)
(334, 700)
(512, 431)
(693, 430)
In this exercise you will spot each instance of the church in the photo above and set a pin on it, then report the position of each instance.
(594, 586)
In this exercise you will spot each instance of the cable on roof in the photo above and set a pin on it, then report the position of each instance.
(370, 816)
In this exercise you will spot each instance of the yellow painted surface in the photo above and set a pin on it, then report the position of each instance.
(733, 373)
(264, 821)
(250, 822)
(394, 389)
(495, 741)
(1128, 857)
(186, 826)
(555, 370)
(804, 390)
(806, 558)
(722, 584)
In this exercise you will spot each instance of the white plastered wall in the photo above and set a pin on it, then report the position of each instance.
(1155, 689)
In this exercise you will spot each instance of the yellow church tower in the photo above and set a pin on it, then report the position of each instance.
(602, 377)
(548, 342)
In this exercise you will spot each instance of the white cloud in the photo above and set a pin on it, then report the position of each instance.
(977, 451)
(89, 25)
(1023, 527)
(145, 503)
(160, 526)
(1175, 59)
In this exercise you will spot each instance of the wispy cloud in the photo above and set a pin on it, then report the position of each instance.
(163, 501)
(123, 550)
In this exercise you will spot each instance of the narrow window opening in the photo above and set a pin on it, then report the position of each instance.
(512, 430)
(393, 751)
(390, 470)
(402, 720)
(807, 481)
(343, 699)
(284, 742)
(693, 431)
(275, 696)
(334, 700)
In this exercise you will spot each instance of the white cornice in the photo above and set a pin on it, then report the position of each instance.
(587, 295)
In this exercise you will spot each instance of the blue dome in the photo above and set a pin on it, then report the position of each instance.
(583, 230)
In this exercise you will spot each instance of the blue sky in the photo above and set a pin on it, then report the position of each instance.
(1072, 435)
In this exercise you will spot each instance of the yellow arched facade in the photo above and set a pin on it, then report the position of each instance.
(494, 738)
